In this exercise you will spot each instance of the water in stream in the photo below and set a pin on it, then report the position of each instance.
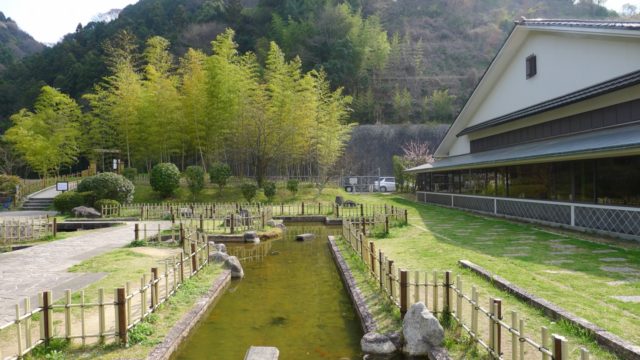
(292, 299)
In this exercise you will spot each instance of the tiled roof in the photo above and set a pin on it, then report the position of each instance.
(615, 139)
(600, 24)
(602, 88)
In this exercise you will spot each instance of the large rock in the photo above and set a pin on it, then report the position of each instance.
(221, 248)
(305, 237)
(251, 236)
(421, 330)
(377, 344)
(87, 212)
(232, 263)
(218, 257)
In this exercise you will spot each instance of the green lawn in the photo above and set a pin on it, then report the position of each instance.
(580, 273)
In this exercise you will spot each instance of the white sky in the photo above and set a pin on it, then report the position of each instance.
(49, 20)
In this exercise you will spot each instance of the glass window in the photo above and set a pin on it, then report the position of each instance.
(618, 181)
(530, 181)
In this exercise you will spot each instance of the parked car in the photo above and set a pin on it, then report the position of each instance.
(385, 184)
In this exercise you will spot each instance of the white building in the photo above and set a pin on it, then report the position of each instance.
(552, 131)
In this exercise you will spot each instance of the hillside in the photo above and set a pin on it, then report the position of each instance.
(15, 44)
(404, 61)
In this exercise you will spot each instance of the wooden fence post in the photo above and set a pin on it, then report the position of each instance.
(337, 210)
(47, 319)
(142, 212)
(514, 337)
(361, 210)
(560, 348)
(390, 274)
(406, 216)
(386, 224)
(584, 354)
(303, 208)
(492, 332)
(446, 306)
(136, 232)
(67, 314)
(361, 241)
(544, 332)
(498, 308)
(154, 288)
(459, 298)
(194, 259)
(55, 227)
(181, 267)
(181, 233)
(404, 292)
(201, 223)
(381, 268)
(101, 315)
(232, 223)
(122, 315)
(372, 257)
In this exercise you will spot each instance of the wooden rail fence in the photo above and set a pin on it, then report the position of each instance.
(444, 294)
(111, 316)
(24, 229)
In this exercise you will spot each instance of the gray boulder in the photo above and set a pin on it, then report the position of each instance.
(232, 263)
(305, 237)
(86, 212)
(251, 236)
(421, 330)
(272, 223)
(218, 257)
(377, 344)
(221, 248)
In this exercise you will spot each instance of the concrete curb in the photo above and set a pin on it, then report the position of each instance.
(367, 321)
(604, 338)
(182, 328)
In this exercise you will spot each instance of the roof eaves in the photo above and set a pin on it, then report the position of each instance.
(602, 88)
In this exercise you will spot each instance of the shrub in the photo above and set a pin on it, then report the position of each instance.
(67, 201)
(105, 202)
(292, 186)
(195, 179)
(248, 191)
(219, 174)
(8, 183)
(165, 178)
(130, 173)
(269, 188)
(108, 186)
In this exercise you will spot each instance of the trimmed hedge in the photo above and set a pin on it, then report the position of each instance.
(105, 202)
(165, 178)
(269, 189)
(292, 186)
(68, 200)
(108, 186)
(195, 179)
(248, 191)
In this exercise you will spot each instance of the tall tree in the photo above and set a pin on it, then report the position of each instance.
(48, 136)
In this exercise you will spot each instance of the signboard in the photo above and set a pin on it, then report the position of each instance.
(115, 164)
(353, 181)
(62, 186)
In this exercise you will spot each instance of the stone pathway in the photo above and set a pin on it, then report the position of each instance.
(27, 272)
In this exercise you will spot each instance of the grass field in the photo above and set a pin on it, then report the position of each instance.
(588, 276)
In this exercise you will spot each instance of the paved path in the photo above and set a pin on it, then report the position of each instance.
(27, 272)
(50, 192)
(28, 213)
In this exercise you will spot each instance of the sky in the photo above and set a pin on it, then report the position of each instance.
(49, 20)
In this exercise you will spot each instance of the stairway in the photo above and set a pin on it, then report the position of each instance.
(37, 204)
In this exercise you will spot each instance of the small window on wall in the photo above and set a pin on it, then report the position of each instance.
(532, 66)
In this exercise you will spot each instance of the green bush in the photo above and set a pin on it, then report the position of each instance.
(108, 186)
(269, 189)
(105, 202)
(8, 183)
(219, 174)
(248, 191)
(67, 201)
(292, 186)
(195, 179)
(130, 173)
(165, 178)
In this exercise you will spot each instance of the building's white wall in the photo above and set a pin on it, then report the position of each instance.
(565, 63)
(461, 146)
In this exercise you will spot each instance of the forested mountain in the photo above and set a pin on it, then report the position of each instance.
(15, 44)
(403, 61)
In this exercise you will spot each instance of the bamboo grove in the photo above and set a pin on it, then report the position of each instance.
(199, 109)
